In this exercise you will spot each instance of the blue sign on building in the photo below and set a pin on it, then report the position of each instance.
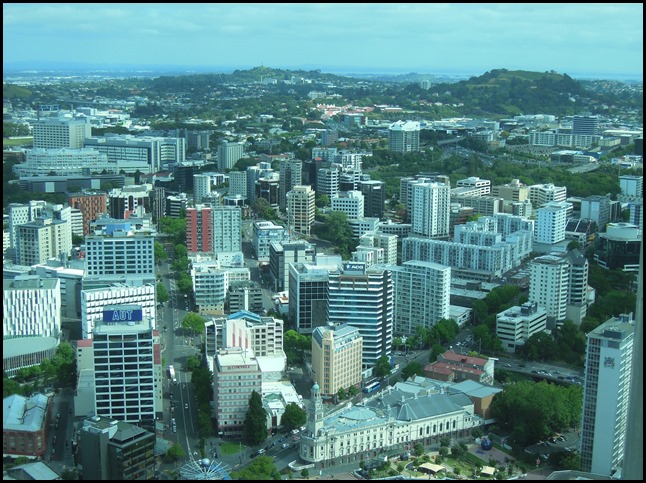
(122, 313)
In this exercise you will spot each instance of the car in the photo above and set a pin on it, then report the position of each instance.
(272, 444)
(507, 365)
(170, 397)
(54, 440)
(186, 406)
(294, 431)
(183, 386)
(282, 440)
(285, 445)
(260, 451)
(302, 428)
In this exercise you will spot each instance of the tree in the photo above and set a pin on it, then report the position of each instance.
(353, 391)
(382, 366)
(192, 363)
(161, 254)
(69, 474)
(412, 369)
(204, 424)
(193, 322)
(255, 423)
(175, 453)
(77, 240)
(397, 343)
(418, 449)
(293, 417)
(342, 394)
(261, 468)
(305, 473)
(322, 200)
(338, 231)
(162, 293)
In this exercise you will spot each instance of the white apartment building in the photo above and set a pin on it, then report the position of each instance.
(125, 202)
(482, 187)
(513, 191)
(238, 183)
(429, 209)
(632, 187)
(265, 232)
(211, 285)
(237, 374)
(64, 162)
(227, 229)
(70, 283)
(422, 293)
(336, 358)
(42, 239)
(606, 387)
(549, 283)
(540, 194)
(228, 155)
(31, 307)
(301, 209)
(94, 300)
(120, 371)
(19, 214)
(327, 181)
(350, 203)
(403, 136)
(201, 187)
(383, 241)
(596, 208)
(517, 324)
(263, 335)
(57, 133)
(551, 221)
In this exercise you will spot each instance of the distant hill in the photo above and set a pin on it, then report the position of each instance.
(512, 92)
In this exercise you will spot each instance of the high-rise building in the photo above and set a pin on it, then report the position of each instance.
(246, 296)
(421, 295)
(91, 205)
(374, 197)
(329, 137)
(429, 209)
(512, 191)
(336, 358)
(540, 194)
(327, 181)
(480, 186)
(31, 307)
(290, 176)
(619, 247)
(64, 162)
(229, 154)
(363, 298)
(238, 183)
(586, 125)
(608, 366)
(301, 209)
(133, 200)
(42, 239)
(596, 208)
(403, 136)
(632, 187)
(265, 232)
(227, 229)
(517, 324)
(120, 371)
(110, 449)
(201, 187)
(56, 133)
(199, 229)
(549, 283)
(262, 335)
(551, 221)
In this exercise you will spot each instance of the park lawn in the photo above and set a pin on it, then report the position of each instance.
(230, 448)
(17, 142)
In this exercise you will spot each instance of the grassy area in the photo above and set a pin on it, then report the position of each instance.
(230, 448)
(9, 143)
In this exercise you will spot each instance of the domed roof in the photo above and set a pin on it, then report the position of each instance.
(316, 387)
(205, 462)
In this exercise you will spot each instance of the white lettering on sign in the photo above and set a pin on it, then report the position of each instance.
(122, 315)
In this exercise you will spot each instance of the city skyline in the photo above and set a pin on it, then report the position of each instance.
(600, 39)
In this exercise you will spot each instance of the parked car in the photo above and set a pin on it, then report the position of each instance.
(285, 445)
(260, 451)
(185, 405)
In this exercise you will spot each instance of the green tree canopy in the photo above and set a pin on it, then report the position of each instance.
(412, 369)
(338, 230)
(261, 468)
(162, 293)
(382, 366)
(294, 417)
(193, 322)
(161, 254)
(175, 453)
(255, 423)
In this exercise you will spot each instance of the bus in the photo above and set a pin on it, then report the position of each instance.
(371, 387)
(171, 373)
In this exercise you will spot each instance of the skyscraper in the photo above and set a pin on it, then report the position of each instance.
(403, 136)
(429, 209)
(608, 365)
(227, 226)
(61, 133)
(199, 229)
(300, 209)
(290, 176)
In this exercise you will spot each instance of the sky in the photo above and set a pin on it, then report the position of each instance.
(575, 39)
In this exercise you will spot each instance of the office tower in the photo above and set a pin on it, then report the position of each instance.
(512, 191)
(232, 367)
(421, 295)
(363, 298)
(199, 229)
(301, 209)
(549, 283)
(403, 136)
(327, 181)
(175, 205)
(268, 188)
(406, 185)
(229, 154)
(636, 216)
(517, 324)
(91, 205)
(198, 140)
(133, 200)
(42, 239)
(20, 213)
(586, 125)
(94, 300)
(540, 194)
(308, 292)
(61, 133)
(31, 307)
(336, 358)
(245, 296)
(119, 248)
(329, 137)
(262, 335)
(265, 232)
(201, 187)
(376, 239)
(115, 450)
(632, 187)
(551, 222)
(606, 386)
(633, 464)
(374, 197)
(281, 254)
(290, 175)
(429, 209)
(123, 360)
(227, 226)
(348, 202)
(159, 203)
(619, 247)
(238, 183)
(326, 154)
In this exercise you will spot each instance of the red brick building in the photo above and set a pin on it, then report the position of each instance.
(24, 425)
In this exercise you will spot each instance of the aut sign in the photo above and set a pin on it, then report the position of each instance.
(122, 313)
